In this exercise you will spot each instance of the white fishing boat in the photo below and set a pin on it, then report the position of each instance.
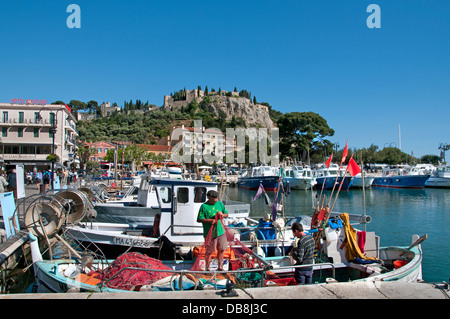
(420, 169)
(164, 206)
(299, 177)
(154, 194)
(440, 178)
(402, 263)
(358, 180)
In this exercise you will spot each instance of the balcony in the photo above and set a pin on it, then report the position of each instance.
(71, 127)
(70, 141)
(15, 121)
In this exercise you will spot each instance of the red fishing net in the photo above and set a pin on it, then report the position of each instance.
(117, 277)
(238, 255)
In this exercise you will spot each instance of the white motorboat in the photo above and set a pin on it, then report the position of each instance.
(164, 206)
(299, 177)
(440, 178)
(358, 180)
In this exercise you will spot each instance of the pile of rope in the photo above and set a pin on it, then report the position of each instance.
(117, 277)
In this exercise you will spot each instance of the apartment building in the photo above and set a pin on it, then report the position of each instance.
(102, 148)
(30, 132)
(206, 141)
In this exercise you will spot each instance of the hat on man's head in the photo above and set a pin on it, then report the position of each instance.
(212, 193)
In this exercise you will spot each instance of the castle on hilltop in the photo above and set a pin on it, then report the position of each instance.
(192, 95)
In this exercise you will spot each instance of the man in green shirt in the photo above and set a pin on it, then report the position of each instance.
(207, 216)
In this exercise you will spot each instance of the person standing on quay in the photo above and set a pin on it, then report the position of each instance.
(38, 179)
(12, 183)
(3, 182)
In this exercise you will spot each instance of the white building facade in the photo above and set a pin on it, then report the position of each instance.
(31, 132)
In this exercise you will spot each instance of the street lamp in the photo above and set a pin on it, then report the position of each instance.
(53, 131)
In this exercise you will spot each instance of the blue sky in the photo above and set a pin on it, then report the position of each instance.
(297, 55)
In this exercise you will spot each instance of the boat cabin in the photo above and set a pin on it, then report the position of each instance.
(333, 170)
(298, 172)
(179, 202)
(258, 171)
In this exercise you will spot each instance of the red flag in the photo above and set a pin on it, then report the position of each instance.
(328, 162)
(345, 153)
(352, 167)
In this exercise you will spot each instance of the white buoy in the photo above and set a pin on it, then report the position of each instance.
(278, 251)
(34, 245)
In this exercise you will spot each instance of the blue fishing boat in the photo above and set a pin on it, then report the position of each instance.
(328, 177)
(268, 176)
(399, 177)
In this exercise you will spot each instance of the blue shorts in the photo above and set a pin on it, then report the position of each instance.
(303, 276)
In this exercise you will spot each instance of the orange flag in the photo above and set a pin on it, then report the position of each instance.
(352, 167)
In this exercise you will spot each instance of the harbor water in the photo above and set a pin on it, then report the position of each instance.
(396, 214)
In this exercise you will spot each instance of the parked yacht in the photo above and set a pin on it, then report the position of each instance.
(399, 177)
(440, 178)
(299, 177)
(331, 177)
(268, 176)
(358, 180)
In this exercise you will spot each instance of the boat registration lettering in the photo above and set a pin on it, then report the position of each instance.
(131, 242)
